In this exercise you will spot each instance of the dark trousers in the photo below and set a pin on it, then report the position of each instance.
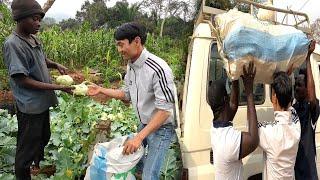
(33, 136)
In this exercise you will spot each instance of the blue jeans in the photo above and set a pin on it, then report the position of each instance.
(157, 145)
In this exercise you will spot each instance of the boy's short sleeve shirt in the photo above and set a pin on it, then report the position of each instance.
(22, 57)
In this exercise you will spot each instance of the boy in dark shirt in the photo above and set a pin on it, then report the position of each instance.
(307, 107)
(31, 85)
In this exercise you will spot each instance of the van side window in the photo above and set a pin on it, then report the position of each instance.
(217, 71)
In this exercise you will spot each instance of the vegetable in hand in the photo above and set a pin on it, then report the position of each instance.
(80, 90)
(65, 80)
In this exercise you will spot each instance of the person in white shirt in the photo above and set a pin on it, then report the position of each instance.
(229, 145)
(279, 139)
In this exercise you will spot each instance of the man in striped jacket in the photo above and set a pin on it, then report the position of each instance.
(149, 85)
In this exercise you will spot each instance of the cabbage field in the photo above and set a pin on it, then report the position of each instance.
(79, 121)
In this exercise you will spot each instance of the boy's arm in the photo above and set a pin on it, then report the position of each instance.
(311, 87)
(59, 67)
(234, 98)
(250, 139)
(30, 83)
(310, 81)
(18, 68)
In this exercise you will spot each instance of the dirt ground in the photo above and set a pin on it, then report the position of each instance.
(6, 97)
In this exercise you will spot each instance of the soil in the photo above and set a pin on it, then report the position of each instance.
(6, 97)
(77, 77)
(104, 125)
(48, 170)
(101, 98)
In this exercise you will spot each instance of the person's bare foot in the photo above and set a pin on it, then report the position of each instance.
(34, 170)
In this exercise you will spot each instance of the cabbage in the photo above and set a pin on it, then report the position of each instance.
(80, 90)
(65, 80)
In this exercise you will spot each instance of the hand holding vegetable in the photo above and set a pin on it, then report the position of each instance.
(67, 89)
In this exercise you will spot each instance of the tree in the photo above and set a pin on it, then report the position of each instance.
(95, 13)
(225, 5)
(122, 12)
(3, 3)
(177, 28)
(162, 9)
(316, 30)
(7, 2)
(48, 22)
(69, 24)
(47, 5)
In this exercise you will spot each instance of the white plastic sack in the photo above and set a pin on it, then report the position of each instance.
(108, 162)
(242, 39)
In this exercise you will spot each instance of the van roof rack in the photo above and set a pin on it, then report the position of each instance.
(207, 13)
(299, 17)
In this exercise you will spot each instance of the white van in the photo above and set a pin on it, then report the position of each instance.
(195, 115)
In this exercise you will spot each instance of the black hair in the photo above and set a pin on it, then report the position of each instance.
(130, 31)
(282, 86)
(217, 94)
(303, 71)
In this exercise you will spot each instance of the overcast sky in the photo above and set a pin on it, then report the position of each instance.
(310, 7)
(63, 9)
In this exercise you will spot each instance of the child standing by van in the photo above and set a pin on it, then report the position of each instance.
(279, 139)
(229, 145)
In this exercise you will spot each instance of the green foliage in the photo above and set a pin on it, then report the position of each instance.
(69, 24)
(172, 167)
(6, 176)
(83, 47)
(95, 13)
(172, 51)
(8, 132)
(6, 27)
(73, 131)
(177, 27)
(73, 121)
(121, 13)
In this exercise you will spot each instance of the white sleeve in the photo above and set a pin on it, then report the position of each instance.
(264, 128)
(234, 145)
